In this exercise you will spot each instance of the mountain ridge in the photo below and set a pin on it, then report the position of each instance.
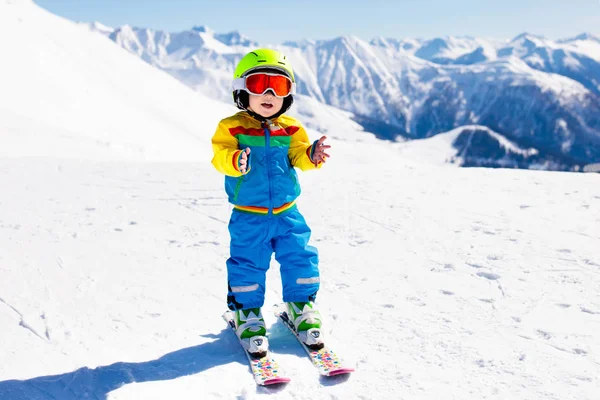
(420, 88)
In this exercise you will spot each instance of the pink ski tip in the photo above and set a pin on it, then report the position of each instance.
(340, 371)
(275, 381)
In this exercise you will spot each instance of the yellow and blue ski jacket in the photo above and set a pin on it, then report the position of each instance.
(270, 184)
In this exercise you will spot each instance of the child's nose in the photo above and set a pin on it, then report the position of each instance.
(270, 93)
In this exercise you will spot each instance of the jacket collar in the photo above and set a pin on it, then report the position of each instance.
(262, 121)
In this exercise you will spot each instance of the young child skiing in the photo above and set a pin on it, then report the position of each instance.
(257, 149)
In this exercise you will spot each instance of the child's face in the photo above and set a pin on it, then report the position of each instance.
(265, 105)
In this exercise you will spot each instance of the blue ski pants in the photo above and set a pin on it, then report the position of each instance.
(254, 239)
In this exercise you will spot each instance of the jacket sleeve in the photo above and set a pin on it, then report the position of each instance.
(301, 151)
(226, 151)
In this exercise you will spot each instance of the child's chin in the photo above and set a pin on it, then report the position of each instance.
(266, 113)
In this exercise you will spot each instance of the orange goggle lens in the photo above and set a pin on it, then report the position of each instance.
(259, 84)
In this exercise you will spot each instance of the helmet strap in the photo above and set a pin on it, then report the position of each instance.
(256, 116)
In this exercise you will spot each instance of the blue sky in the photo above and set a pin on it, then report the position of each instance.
(272, 22)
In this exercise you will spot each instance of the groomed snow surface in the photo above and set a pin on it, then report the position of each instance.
(437, 282)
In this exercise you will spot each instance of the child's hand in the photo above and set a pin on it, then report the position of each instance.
(244, 160)
(319, 154)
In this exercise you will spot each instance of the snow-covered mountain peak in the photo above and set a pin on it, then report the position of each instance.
(454, 50)
(525, 45)
(526, 36)
(350, 41)
(99, 27)
(350, 47)
(300, 44)
(408, 44)
(126, 29)
(127, 37)
(380, 41)
(520, 73)
(235, 38)
(203, 28)
(582, 37)
(438, 43)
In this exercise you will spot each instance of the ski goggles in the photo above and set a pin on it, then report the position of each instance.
(261, 82)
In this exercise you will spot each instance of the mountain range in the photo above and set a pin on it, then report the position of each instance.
(540, 94)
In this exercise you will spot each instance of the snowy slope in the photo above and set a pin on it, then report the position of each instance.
(464, 284)
(70, 92)
(438, 282)
(474, 146)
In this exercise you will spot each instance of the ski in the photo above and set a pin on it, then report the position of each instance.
(325, 360)
(266, 370)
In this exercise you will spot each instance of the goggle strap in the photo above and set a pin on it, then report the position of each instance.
(239, 84)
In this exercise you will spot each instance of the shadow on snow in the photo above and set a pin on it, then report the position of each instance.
(86, 383)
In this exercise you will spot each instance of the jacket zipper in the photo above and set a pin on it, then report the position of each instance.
(268, 148)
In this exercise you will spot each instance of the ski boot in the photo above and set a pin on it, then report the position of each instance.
(250, 328)
(307, 322)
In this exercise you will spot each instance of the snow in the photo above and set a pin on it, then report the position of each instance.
(440, 150)
(61, 81)
(516, 72)
(437, 282)
(452, 48)
(98, 27)
(589, 48)
(437, 150)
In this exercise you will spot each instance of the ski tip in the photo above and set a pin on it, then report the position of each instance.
(341, 371)
(276, 381)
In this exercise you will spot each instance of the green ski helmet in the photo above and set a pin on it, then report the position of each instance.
(262, 60)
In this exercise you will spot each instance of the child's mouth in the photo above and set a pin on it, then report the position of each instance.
(266, 105)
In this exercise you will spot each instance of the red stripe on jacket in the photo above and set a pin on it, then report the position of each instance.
(240, 130)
